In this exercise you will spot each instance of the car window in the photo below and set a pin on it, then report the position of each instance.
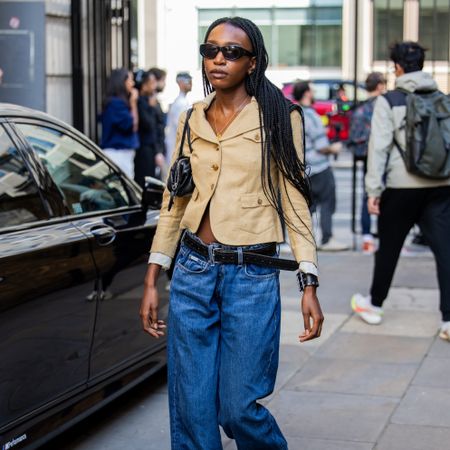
(350, 90)
(20, 201)
(86, 181)
(321, 91)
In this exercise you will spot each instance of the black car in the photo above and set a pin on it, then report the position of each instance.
(74, 240)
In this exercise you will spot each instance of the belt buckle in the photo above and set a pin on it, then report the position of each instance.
(212, 254)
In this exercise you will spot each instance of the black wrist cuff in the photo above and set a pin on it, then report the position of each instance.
(306, 279)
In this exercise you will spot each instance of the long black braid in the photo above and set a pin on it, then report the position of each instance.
(274, 117)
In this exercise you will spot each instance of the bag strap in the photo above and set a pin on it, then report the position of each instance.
(186, 131)
(397, 97)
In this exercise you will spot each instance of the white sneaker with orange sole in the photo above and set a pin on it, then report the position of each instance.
(444, 331)
(362, 306)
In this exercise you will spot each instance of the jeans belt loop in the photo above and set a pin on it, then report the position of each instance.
(211, 250)
(240, 256)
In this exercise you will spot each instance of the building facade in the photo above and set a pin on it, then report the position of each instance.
(307, 39)
(56, 55)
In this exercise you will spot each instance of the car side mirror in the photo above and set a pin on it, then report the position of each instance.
(152, 193)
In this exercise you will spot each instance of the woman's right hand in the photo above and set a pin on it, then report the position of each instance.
(149, 304)
(134, 95)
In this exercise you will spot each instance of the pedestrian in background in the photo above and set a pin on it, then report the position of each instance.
(180, 104)
(317, 151)
(399, 197)
(224, 309)
(359, 143)
(161, 117)
(120, 120)
(149, 155)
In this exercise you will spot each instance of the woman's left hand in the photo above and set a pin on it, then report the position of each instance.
(311, 310)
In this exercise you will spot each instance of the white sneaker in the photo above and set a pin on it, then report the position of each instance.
(362, 306)
(333, 246)
(444, 332)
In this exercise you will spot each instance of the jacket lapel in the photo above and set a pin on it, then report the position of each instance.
(246, 120)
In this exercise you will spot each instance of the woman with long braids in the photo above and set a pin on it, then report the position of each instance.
(246, 153)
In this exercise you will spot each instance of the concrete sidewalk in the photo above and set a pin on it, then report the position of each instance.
(366, 387)
(356, 388)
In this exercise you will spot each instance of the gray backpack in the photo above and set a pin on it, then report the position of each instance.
(427, 128)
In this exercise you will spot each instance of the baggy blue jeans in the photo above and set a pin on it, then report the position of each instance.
(223, 344)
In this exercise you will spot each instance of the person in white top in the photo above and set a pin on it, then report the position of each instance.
(181, 104)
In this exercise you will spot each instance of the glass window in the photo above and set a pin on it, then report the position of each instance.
(320, 46)
(19, 196)
(86, 182)
(434, 19)
(288, 52)
(207, 16)
(256, 15)
(387, 25)
(309, 36)
(266, 31)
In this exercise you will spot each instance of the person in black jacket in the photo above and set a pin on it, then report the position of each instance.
(161, 116)
(149, 155)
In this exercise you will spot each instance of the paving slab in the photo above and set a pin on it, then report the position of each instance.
(440, 349)
(413, 437)
(355, 377)
(331, 416)
(292, 326)
(139, 420)
(409, 299)
(423, 405)
(398, 323)
(295, 353)
(317, 444)
(285, 372)
(434, 372)
(418, 271)
(324, 444)
(138, 428)
(374, 348)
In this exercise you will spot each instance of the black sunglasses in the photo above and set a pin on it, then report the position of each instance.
(229, 52)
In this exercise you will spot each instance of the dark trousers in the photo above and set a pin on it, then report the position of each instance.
(323, 189)
(365, 216)
(144, 164)
(400, 209)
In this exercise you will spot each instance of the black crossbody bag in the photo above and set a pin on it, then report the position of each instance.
(180, 182)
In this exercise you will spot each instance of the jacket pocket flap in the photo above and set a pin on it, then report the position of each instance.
(254, 200)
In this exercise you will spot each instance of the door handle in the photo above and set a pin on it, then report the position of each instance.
(103, 235)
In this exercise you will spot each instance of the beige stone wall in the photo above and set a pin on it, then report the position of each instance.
(58, 55)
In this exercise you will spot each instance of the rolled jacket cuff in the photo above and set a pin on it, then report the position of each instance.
(308, 267)
(162, 260)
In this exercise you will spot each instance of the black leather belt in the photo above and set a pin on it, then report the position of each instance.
(261, 257)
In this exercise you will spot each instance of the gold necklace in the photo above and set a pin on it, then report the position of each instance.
(238, 110)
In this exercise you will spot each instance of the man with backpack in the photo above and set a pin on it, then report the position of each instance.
(359, 143)
(408, 178)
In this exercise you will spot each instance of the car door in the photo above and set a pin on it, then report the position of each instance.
(46, 275)
(106, 207)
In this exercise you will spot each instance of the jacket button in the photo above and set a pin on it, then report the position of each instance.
(212, 186)
(257, 137)
(217, 148)
(215, 167)
(259, 201)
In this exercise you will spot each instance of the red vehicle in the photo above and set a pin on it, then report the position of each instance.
(333, 102)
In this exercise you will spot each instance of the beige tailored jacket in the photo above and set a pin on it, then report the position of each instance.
(227, 176)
